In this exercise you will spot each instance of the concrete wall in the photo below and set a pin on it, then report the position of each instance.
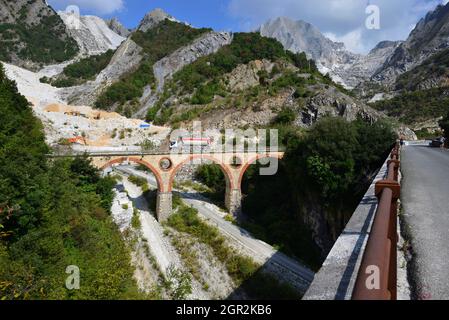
(337, 276)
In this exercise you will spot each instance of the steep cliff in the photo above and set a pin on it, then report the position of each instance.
(207, 44)
(126, 58)
(91, 33)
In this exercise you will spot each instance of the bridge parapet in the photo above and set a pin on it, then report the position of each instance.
(337, 277)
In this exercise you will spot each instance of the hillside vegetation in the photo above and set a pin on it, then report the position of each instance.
(81, 71)
(436, 67)
(53, 214)
(416, 106)
(158, 42)
(44, 43)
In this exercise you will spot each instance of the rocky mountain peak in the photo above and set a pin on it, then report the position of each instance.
(300, 36)
(153, 18)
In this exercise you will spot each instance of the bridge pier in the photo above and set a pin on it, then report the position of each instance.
(164, 206)
(233, 201)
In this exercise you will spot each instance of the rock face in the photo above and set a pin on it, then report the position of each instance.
(153, 18)
(331, 102)
(246, 75)
(203, 46)
(115, 25)
(345, 67)
(366, 65)
(36, 11)
(127, 57)
(91, 33)
(431, 35)
(168, 66)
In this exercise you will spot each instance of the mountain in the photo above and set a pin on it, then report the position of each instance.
(32, 34)
(115, 25)
(91, 33)
(366, 65)
(300, 36)
(345, 67)
(430, 36)
(415, 80)
(153, 18)
(142, 63)
(172, 73)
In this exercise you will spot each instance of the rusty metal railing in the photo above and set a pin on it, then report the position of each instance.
(377, 277)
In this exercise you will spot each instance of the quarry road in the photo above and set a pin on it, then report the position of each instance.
(165, 254)
(260, 251)
(425, 194)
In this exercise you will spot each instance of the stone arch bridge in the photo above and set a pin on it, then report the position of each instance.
(164, 166)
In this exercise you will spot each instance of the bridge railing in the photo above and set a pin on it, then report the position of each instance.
(377, 276)
(68, 152)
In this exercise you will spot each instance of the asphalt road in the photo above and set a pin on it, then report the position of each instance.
(425, 199)
(259, 250)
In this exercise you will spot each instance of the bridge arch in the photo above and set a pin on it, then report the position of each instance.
(253, 161)
(225, 169)
(155, 171)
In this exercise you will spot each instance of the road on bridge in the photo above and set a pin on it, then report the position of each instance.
(425, 200)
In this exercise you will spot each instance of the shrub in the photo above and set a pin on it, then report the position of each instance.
(244, 48)
(286, 116)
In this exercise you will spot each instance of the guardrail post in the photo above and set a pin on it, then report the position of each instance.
(395, 187)
(381, 249)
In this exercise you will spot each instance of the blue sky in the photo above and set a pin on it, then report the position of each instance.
(340, 20)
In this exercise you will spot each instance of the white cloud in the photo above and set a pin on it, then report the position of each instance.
(343, 20)
(100, 7)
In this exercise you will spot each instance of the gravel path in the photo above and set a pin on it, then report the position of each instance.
(160, 246)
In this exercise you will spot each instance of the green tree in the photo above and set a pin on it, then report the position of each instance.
(54, 214)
